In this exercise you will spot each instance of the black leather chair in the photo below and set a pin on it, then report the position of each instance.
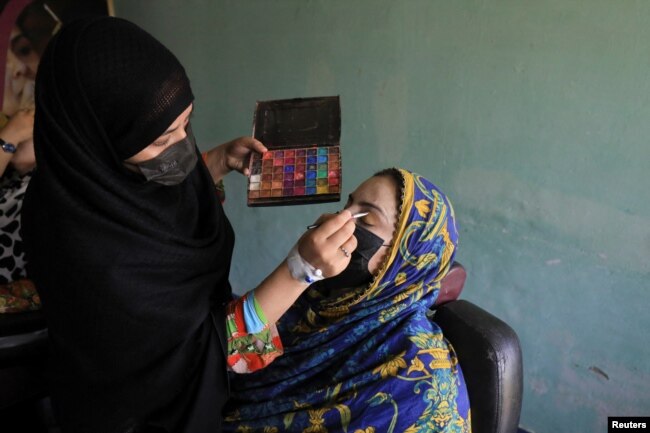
(23, 350)
(489, 354)
(22, 336)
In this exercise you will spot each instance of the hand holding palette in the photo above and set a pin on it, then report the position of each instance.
(303, 164)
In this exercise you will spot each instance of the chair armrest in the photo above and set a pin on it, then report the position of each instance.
(19, 349)
(23, 337)
(21, 323)
(489, 354)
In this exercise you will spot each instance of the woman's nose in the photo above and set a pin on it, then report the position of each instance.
(187, 131)
(20, 70)
(179, 135)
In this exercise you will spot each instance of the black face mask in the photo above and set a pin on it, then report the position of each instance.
(173, 164)
(357, 273)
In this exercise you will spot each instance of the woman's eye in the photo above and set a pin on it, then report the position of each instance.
(24, 51)
(161, 142)
(369, 220)
(21, 47)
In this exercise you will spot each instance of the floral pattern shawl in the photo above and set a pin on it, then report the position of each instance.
(370, 360)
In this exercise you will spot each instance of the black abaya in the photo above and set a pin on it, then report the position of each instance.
(128, 271)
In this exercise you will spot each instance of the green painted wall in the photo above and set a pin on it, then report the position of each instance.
(533, 115)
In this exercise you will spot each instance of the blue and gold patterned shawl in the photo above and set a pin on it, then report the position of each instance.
(370, 360)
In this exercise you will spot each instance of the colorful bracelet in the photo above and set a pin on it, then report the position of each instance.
(253, 314)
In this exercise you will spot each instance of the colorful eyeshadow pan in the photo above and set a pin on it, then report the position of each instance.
(284, 178)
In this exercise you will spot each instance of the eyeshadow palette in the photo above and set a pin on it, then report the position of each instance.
(303, 163)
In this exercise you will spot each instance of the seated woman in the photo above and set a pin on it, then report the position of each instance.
(360, 351)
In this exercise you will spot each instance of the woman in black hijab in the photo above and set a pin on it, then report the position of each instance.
(128, 243)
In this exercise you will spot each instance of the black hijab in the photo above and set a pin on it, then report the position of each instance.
(128, 271)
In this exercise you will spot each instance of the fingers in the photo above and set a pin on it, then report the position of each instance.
(343, 234)
(242, 165)
(324, 217)
(20, 126)
(329, 245)
(257, 146)
(238, 153)
(25, 113)
(245, 170)
(336, 228)
(349, 245)
(332, 223)
(251, 144)
(23, 117)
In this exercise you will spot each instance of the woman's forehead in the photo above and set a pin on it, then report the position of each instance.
(380, 191)
(376, 187)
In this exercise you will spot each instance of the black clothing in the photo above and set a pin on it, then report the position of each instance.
(128, 270)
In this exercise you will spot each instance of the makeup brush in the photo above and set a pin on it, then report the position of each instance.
(356, 215)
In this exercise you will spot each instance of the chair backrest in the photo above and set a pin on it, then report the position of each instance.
(489, 354)
(452, 284)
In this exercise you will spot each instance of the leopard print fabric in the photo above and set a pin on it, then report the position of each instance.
(12, 256)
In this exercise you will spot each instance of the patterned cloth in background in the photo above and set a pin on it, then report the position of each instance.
(19, 296)
(16, 293)
(371, 360)
(12, 256)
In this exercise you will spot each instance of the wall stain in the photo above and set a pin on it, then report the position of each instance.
(599, 372)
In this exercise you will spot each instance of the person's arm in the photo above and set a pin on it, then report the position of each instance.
(253, 341)
(322, 248)
(19, 129)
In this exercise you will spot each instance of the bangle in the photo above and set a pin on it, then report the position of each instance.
(7, 147)
(300, 269)
(253, 314)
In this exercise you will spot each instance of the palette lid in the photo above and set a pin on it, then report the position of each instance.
(298, 122)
